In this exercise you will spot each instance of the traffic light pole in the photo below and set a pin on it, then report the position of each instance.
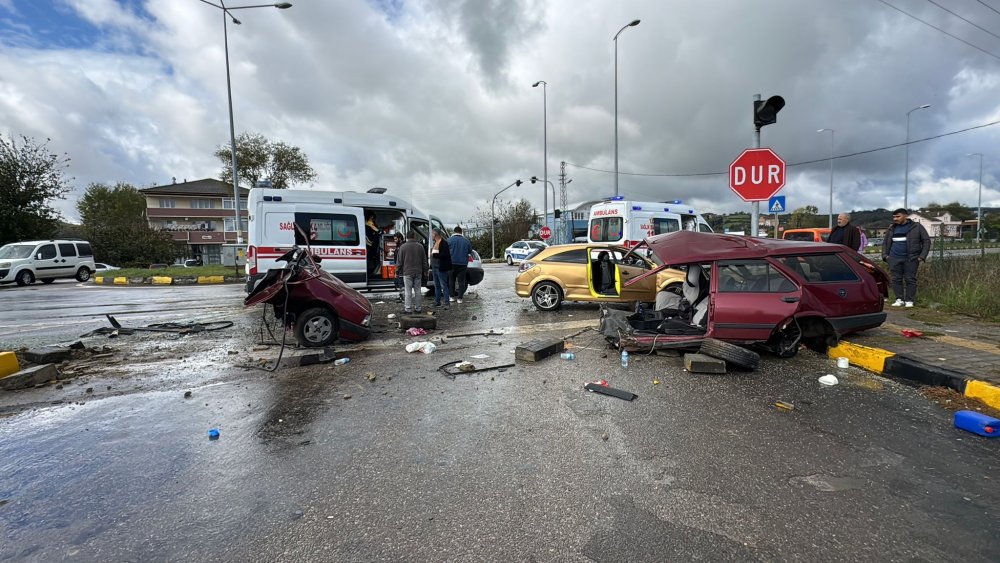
(755, 207)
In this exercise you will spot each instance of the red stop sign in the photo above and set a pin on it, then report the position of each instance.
(545, 233)
(757, 174)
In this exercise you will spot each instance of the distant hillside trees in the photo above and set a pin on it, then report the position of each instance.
(30, 178)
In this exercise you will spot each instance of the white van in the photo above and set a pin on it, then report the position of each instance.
(46, 260)
(619, 221)
(335, 223)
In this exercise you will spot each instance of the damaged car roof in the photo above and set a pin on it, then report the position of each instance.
(686, 247)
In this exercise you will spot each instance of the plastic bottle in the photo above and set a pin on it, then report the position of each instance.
(341, 361)
(625, 359)
(567, 355)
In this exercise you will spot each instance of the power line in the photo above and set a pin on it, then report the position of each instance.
(977, 26)
(804, 162)
(987, 5)
(939, 29)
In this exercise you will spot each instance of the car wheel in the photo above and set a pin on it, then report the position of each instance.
(316, 327)
(510, 260)
(25, 277)
(733, 354)
(83, 274)
(546, 296)
(48, 280)
(785, 343)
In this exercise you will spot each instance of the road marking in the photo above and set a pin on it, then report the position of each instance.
(953, 340)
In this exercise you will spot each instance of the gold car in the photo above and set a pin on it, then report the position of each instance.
(590, 272)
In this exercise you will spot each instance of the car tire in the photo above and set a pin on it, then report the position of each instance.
(731, 353)
(47, 280)
(316, 327)
(24, 277)
(83, 274)
(417, 320)
(546, 296)
(510, 260)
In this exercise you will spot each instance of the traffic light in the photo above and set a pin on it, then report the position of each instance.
(557, 213)
(766, 112)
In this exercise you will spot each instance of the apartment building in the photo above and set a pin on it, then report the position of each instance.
(198, 214)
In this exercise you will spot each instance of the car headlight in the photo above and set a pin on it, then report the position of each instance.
(4, 264)
(367, 320)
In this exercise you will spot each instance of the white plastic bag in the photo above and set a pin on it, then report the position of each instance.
(425, 347)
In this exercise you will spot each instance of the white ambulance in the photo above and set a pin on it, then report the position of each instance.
(620, 221)
(335, 223)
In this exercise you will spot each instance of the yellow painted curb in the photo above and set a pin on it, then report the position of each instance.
(211, 279)
(121, 281)
(871, 359)
(162, 280)
(989, 394)
(8, 364)
(99, 280)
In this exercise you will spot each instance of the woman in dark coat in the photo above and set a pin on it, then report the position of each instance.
(440, 266)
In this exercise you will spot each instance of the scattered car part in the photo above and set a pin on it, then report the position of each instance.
(610, 391)
(451, 375)
(731, 353)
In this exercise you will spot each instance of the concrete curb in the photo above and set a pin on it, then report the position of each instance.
(166, 280)
(885, 362)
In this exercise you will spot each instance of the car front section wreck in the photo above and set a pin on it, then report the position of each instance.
(767, 293)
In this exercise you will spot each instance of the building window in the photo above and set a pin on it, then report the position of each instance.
(202, 204)
(167, 203)
(229, 223)
(227, 203)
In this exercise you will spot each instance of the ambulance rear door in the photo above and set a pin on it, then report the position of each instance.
(336, 234)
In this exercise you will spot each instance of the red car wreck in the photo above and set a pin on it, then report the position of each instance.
(765, 292)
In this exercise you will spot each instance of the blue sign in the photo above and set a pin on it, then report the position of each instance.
(776, 204)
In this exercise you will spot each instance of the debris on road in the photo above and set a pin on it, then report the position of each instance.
(213, 434)
(910, 333)
(843, 363)
(829, 380)
(701, 363)
(188, 394)
(116, 328)
(417, 320)
(603, 388)
(47, 355)
(978, 423)
(341, 361)
(539, 349)
(423, 346)
(468, 368)
(415, 331)
(784, 406)
(29, 377)
(480, 356)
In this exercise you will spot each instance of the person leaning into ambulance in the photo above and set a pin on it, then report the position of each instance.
(905, 247)
(373, 240)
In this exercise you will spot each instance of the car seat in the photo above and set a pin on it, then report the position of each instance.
(696, 292)
(607, 274)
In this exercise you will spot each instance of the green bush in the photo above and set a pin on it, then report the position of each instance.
(175, 272)
(963, 285)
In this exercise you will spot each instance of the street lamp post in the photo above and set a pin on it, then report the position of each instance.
(545, 216)
(493, 220)
(906, 178)
(979, 207)
(633, 23)
(229, 93)
(545, 149)
(831, 173)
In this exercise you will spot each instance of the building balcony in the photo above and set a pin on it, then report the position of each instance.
(187, 212)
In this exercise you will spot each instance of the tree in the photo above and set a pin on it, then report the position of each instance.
(806, 217)
(30, 178)
(114, 220)
(958, 211)
(258, 158)
(513, 222)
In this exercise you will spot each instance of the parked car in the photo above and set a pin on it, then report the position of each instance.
(102, 267)
(590, 272)
(520, 250)
(774, 293)
(193, 263)
(818, 234)
(46, 261)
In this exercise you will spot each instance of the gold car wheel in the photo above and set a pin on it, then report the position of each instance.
(547, 296)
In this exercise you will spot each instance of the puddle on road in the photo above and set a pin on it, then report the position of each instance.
(828, 483)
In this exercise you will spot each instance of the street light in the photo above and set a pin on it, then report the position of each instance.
(633, 23)
(906, 180)
(545, 216)
(831, 173)
(229, 92)
(979, 210)
(493, 220)
(545, 153)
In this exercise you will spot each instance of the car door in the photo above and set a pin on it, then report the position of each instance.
(644, 289)
(47, 262)
(68, 258)
(749, 298)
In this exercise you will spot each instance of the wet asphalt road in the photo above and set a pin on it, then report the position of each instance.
(513, 465)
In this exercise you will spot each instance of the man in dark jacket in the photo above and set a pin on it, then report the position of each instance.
(461, 252)
(845, 233)
(411, 262)
(905, 247)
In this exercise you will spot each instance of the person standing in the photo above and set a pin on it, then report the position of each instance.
(461, 252)
(905, 247)
(441, 266)
(373, 239)
(398, 242)
(411, 264)
(845, 233)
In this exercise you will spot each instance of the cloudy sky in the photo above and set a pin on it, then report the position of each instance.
(433, 99)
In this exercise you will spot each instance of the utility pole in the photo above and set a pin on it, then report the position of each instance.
(562, 202)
